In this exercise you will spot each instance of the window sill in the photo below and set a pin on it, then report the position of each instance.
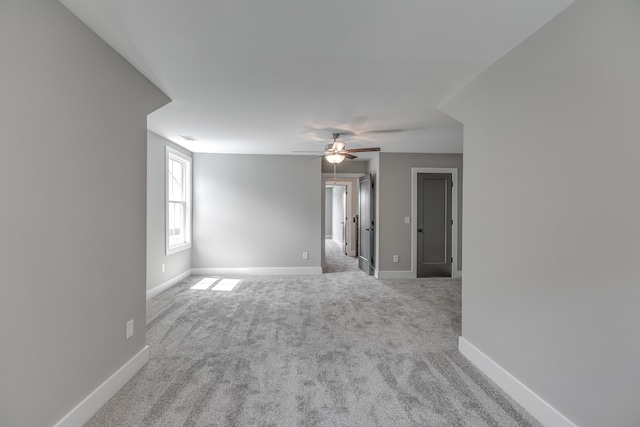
(178, 248)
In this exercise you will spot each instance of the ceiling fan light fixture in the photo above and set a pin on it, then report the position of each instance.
(334, 158)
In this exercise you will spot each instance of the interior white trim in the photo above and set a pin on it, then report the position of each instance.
(166, 285)
(187, 161)
(389, 274)
(351, 211)
(105, 391)
(258, 271)
(534, 404)
(406, 274)
(329, 175)
(454, 216)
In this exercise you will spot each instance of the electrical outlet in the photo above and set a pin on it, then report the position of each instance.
(305, 255)
(162, 267)
(395, 258)
(129, 328)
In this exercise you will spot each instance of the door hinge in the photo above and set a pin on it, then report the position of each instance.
(451, 222)
(451, 259)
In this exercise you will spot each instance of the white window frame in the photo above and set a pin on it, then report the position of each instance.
(175, 155)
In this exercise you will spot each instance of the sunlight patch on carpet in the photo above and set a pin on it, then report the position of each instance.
(226, 285)
(205, 283)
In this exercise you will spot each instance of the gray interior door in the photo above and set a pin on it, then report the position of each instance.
(434, 225)
(366, 229)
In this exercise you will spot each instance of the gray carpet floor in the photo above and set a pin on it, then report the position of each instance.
(337, 349)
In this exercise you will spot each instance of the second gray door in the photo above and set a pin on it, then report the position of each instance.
(434, 225)
(367, 237)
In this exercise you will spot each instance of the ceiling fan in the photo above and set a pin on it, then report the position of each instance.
(336, 152)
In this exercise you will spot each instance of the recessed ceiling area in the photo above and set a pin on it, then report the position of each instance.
(280, 76)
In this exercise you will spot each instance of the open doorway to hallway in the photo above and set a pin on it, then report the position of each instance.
(336, 218)
(340, 224)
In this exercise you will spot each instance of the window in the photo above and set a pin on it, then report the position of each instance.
(178, 201)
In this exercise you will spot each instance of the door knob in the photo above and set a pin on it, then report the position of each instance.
(419, 230)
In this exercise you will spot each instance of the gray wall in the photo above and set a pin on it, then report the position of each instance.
(256, 211)
(180, 262)
(394, 196)
(328, 212)
(347, 166)
(552, 208)
(73, 120)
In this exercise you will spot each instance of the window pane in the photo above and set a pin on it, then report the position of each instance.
(176, 224)
(176, 180)
(178, 199)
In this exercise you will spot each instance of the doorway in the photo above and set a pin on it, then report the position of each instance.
(451, 211)
(342, 225)
(434, 224)
(336, 215)
(340, 236)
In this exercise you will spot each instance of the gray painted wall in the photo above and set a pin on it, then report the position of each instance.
(180, 262)
(347, 166)
(394, 196)
(256, 211)
(73, 120)
(328, 212)
(551, 235)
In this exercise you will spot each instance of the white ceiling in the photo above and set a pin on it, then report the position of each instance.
(273, 77)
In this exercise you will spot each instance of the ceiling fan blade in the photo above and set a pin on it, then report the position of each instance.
(381, 131)
(362, 150)
(349, 156)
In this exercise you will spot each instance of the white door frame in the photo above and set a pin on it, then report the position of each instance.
(344, 179)
(414, 217)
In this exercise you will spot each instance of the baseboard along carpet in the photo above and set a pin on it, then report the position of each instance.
(337, 349)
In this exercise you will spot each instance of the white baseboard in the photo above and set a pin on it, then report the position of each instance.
(92, 403)
(257, 271)
(166, 285)
(387, 274)
(534, 404)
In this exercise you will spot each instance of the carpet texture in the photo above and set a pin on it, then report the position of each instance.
(336, 261)
(338, 349)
